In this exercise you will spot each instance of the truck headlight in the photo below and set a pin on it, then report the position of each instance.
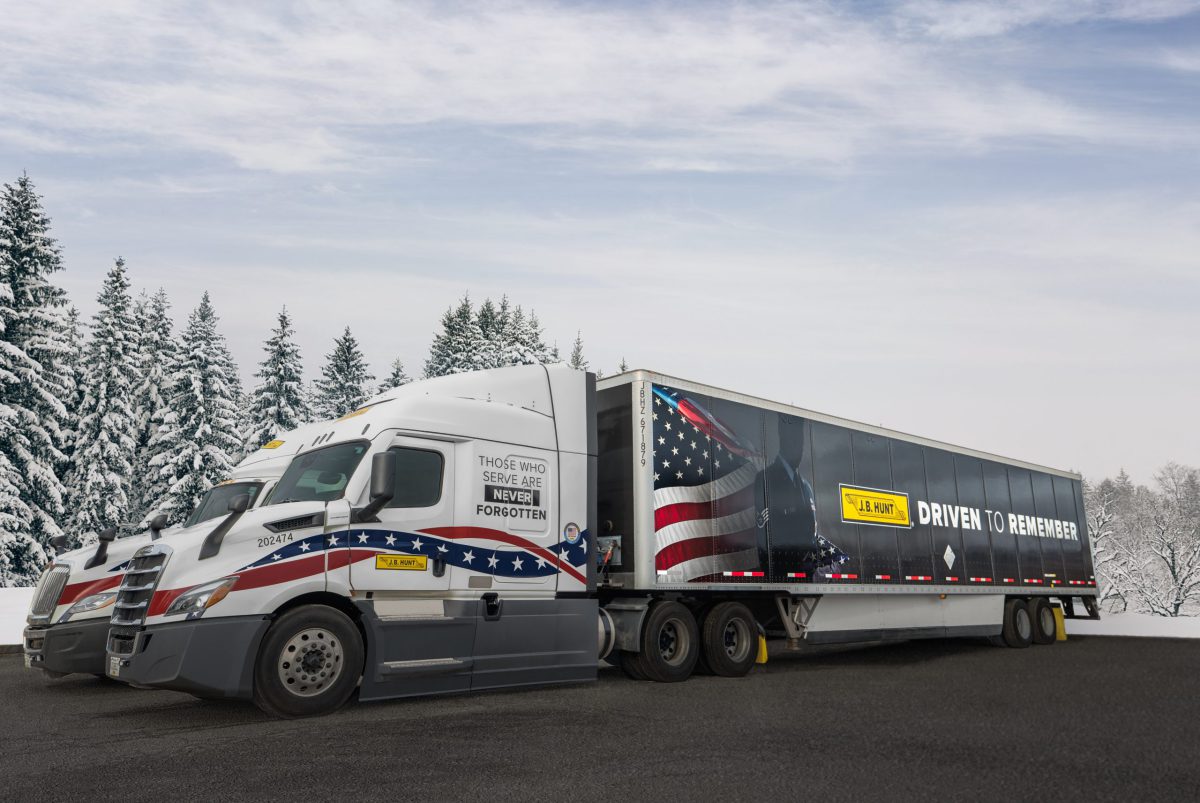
(92, 603)
(198, 599)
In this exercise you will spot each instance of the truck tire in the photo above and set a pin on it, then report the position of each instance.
(628, 663)
(730, 640)
(1045, 626)
(670, 644)
(309, 663)
(1018, 624)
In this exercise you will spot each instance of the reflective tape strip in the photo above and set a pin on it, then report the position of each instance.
(981, 579)
(951, 579)
(797, 574)
(744, 574)
(1009, 580)
(883, 577)
(842, 576)
(1034, 580)
(917, 577)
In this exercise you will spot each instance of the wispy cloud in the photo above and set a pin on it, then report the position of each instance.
(674, 88)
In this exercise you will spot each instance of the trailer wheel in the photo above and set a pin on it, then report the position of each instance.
(1045, 627)
(670, 643)
(309, 663)
(730, 640)
(628, 663)
(1018, 624)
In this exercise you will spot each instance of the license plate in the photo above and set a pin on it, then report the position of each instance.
(28, 661)
(114, 666)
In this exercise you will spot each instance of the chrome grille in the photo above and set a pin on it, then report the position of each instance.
(137, 587)
(49, 589)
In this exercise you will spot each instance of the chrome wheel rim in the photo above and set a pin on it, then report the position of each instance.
(1024, 625)
(310, 662)
(1047, 621)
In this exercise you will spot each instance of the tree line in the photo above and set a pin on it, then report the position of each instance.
(1146, 541)
(122, 419)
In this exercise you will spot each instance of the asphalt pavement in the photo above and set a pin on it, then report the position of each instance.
(1089, 719)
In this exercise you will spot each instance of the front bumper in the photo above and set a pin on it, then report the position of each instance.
(208, 658)
(67, 647)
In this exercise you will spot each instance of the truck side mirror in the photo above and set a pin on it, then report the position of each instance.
(383, 486)
(106, 537)
(59, 542)
(212, 542)
(157, 525)
(239, 503)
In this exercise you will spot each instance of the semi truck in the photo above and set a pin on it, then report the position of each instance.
(518, 526)
(67, 624)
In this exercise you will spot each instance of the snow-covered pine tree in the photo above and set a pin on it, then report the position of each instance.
(623, 367)
(199, 439)
(34, 342)
(102, 466)
(278, 403)
(18, 550)
(514, 340)
(396, 378)
(490, 326)
(577, 361)
(157, 354)
(535, 344)
(72, 377)
(460, 346)
(344, 380)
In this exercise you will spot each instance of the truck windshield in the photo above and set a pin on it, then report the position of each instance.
(216, 502)
(320, 475)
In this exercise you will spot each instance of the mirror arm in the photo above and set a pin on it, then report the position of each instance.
(101, 555)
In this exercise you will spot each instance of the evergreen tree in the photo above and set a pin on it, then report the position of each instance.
(198, 441)
(623, 367)
(33, 345)
(577, 360)
(396, 378)
(73, 382)
(460, 346)
(107, 437)
(490, 327)
(278, 403)
(515, 340)
(157, 355)
(344, 379)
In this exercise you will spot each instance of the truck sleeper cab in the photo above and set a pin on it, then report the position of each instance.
(68, 619)
(516, 526)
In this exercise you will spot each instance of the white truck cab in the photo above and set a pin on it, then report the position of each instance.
(68, 620)
(433, 541)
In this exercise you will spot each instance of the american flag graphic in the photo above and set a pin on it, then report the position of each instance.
(705, 519)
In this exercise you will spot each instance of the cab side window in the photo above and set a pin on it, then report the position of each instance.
(418, 477)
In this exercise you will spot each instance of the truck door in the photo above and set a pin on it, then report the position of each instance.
(419, 642)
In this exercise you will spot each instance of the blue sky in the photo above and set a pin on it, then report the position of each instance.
(973, 221)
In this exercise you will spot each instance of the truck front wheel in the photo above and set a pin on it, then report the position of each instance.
(309, 663)
(670, 644)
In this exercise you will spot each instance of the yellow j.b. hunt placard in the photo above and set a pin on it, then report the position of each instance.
(875, 506)
(416, 563)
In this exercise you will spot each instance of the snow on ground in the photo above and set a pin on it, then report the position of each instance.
(14, 604)
(1136, 624)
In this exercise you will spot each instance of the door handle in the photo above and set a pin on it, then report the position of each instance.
(491, 606)
(439, 567)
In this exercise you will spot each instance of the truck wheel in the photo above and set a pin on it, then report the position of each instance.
(309, 663)
(730, 640)
(628, 663)
(1045, 627)
(1018, 624)
(670, 643)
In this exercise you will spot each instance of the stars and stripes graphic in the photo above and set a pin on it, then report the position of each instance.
(704, 492)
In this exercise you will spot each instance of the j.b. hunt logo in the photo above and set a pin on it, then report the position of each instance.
(874, 506)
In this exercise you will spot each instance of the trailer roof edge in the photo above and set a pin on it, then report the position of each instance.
(641, 374)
